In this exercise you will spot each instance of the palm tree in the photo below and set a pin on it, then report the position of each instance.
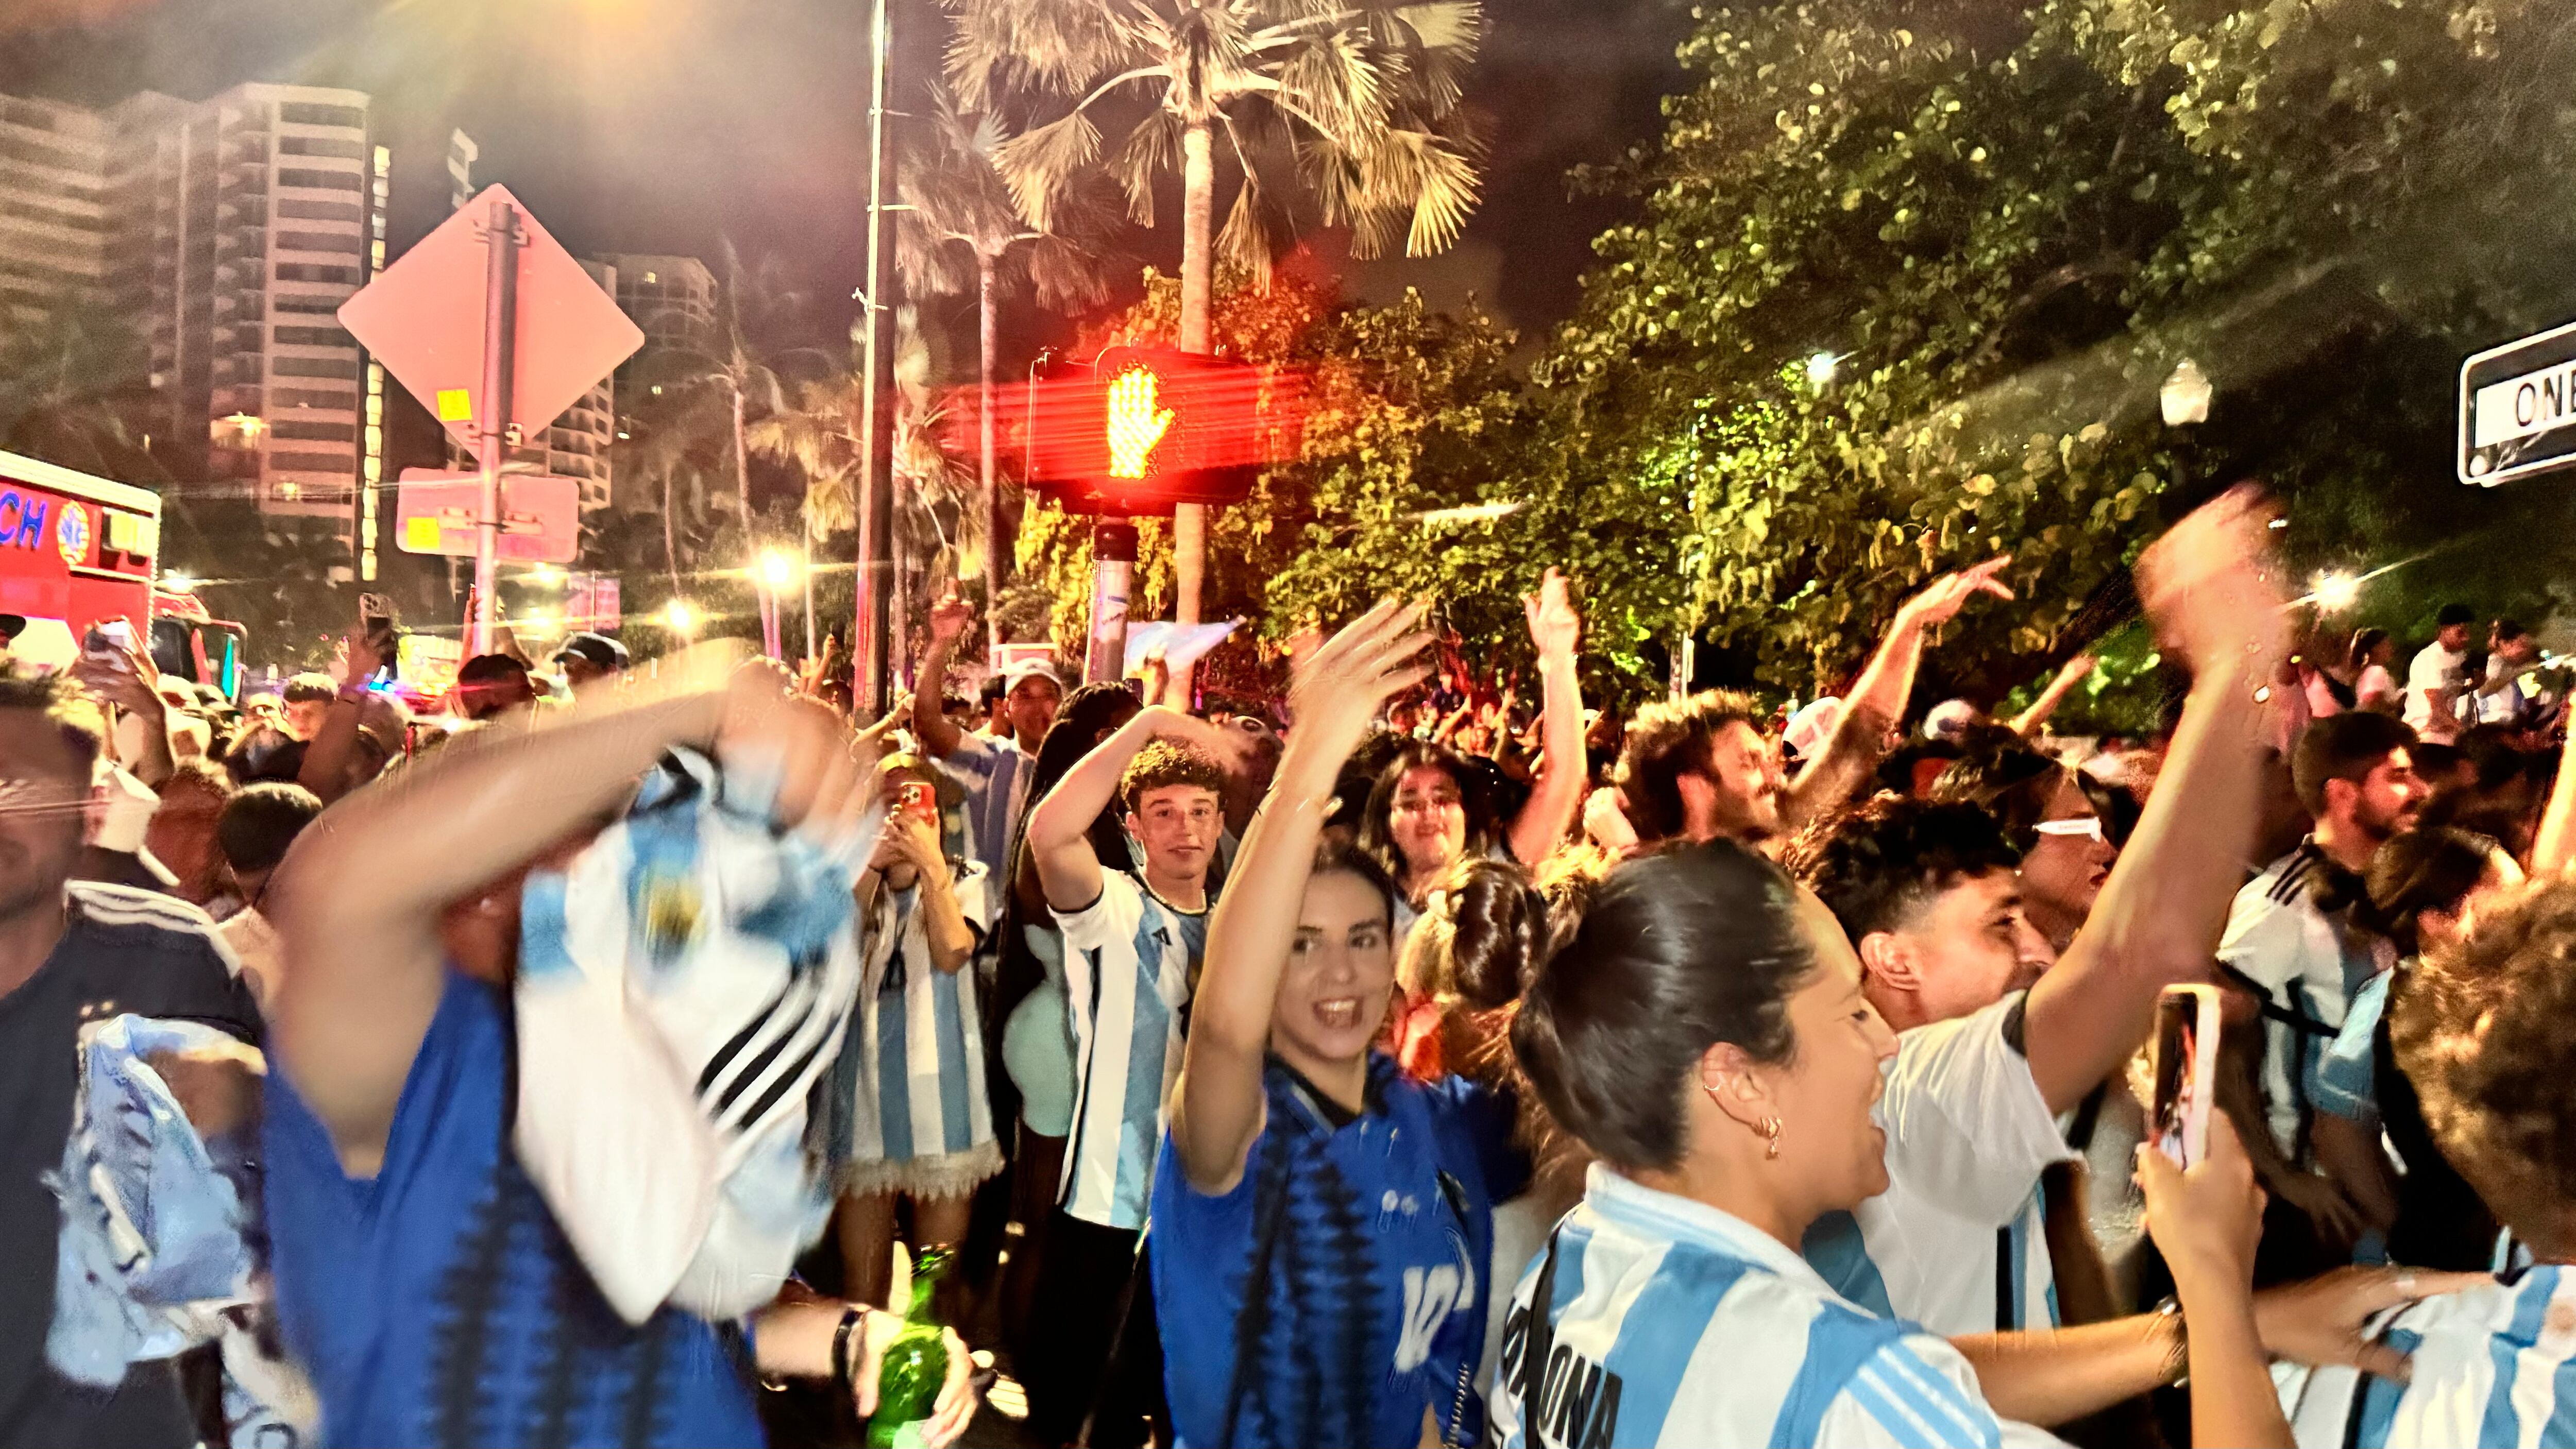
(960, 231)
(703, 399)
(818, 431)
(1354, 103)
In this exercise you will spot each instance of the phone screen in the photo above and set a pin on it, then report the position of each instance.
(2180, 1115)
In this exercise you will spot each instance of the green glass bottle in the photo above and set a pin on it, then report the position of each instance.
(916, 1363)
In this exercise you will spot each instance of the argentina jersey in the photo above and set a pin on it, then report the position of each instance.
(2494, 1365)
(1957, 1243)
(1671, 1323)
(996, 776)
(2305, 965)
(1128, 964)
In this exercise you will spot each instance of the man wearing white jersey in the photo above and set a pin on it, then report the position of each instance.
(1998, 1036)
(2484, 1029)
(2290, 934)
(1131, 954)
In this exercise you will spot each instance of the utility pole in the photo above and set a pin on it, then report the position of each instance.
(868, 641)
(492, 420)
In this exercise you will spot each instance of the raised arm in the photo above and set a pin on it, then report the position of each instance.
(1877, 698)
(131, 683)
(930, 722)
(2555, 846)
(2215, 598)
(359, 898)
(326, 760)
(1557, 630)
(1058, 838)
(2070, 674)
(1217, 1108)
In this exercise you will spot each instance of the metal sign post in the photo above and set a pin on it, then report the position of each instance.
(493, 426)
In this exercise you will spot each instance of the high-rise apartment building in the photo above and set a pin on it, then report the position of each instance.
(53, 221)
(674, 300)
(237, 227)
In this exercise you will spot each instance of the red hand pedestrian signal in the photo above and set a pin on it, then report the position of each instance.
(1145, 428)
(1136, 421)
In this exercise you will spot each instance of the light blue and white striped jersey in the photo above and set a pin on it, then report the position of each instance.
(996, 776)
(1129, 961)
(1957, 1241)
(1676, 1324)
(2493, 1366)
(2308, 964)
(914, 1065)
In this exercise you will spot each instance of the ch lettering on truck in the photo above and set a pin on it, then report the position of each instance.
(1578, 1400)
(22, 519)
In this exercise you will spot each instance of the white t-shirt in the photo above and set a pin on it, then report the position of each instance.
(2506, 705)
(1968, 1134)
(2435, 669)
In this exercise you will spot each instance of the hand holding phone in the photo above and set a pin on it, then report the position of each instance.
(2186, 1072)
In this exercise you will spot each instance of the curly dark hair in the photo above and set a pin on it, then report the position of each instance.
(1163, 764)
(1474, 797)
(2484, 1029)
(1878, 862)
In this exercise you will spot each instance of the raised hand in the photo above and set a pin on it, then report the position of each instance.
(1555, 628)
(1343, 685)
(949, 617)
(2213, 589)
(1941, 600)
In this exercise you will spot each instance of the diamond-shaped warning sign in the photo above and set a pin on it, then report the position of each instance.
(422, 317)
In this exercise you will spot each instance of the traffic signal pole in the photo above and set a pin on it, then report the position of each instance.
(492, 416)
(868, 641)
(1113, 577)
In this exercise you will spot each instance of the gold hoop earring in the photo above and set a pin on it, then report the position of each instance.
(1771, 1137)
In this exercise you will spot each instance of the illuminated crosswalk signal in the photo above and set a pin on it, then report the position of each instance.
(1150, 427)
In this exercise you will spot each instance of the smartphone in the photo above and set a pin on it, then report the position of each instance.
(919, 799)
(2186, 1072)
(107, 642)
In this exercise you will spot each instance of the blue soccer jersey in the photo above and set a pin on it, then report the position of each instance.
(438, 1302)
(2491, 1365)
(1334, 1295)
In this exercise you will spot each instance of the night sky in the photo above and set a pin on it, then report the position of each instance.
(665, 125)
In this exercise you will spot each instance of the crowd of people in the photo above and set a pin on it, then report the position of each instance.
(1393, 1061)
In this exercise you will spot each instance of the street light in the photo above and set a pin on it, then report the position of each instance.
(1821, 367)
(680, 617)
(2335, 591)
(179, 583)
(777, 568)
(2185, 395)
(545, 576)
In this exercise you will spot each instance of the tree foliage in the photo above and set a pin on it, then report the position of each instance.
(2006, 231)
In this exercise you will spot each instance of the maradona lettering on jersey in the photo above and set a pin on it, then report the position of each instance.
(1578, 1400)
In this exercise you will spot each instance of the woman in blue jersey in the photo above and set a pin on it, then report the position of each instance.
(1704, 1034)
(1320, 1222)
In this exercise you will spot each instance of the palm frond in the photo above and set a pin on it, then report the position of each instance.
(1001, 49)
(1151, 150)
(1038, 164)
(1254, 232)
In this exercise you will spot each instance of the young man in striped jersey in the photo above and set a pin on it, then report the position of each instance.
(2484, 1029)
(2304, 959)
(995, 769)
(1131, 956)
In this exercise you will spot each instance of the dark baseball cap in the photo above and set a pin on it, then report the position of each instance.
(596, 649)
(12, 625)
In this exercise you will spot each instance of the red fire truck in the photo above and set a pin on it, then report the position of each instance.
(77, 550)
